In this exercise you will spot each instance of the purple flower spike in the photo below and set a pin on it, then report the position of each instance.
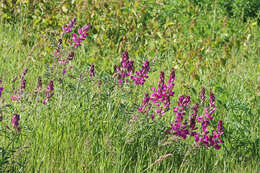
(171, 79)
(212, 101)
(50, 86)
(92, 71)
(23, 85)
(64, 71)
(124, 69)
(1, 90)
(49, 93)
(69, 27)
(141, 75)
(86, 27)
(145, 104)
(202, 95)
(81, 36)
(161, 81)
(71, 56)
(15, 120)
(220, 127)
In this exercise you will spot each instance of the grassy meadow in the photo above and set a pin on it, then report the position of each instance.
(92, 123)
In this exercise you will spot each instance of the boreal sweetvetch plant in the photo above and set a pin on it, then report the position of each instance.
(188, 121)
(10, 127)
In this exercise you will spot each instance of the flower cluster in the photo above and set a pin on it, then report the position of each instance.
(1, 90)
(161, 96)
(92, 71)
(183, 128)
(69, 26)
(146, 105)
(124, 69)
(141, 75)
(75, 42)
(185, 124)
(81, 36)
(180, 128)
(39, 85)
(205, 137)
(49, 93)
(15, 123)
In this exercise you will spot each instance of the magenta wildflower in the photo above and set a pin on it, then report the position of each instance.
(220, 127)
(202, 95)
(23, 85)
(15, 123)
(152, 116)
(49, 93)
(24, 73)
(124, 69)
(64, 71)
(81, 36)
(69, 26)
(92, 71)
(71, 56)
(179, 128)
(1, 90)
(146, 106)
(50, 86)
(15, 120)
(192, 118)
(141, 75)
(162, 94)
(204, 137)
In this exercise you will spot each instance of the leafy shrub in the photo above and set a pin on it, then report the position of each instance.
(241, 8)
(234, 8)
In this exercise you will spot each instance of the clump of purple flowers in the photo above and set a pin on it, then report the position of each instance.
(69, 26)
(1, 90)
(92, 71)
(15, 123)
(201, 135)
(161, 96)
(81, 36)
(146, 105)
(185, 125)
(179, 128)
(125, 70)
(141, 75)
(76, 40)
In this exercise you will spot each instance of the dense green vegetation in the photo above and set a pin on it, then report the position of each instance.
(91, 124)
